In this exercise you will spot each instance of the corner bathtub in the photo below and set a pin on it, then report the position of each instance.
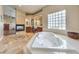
(48, 42)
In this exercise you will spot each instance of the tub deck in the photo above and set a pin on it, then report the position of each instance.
(47, 42)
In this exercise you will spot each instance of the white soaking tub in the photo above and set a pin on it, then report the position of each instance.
(48, 42)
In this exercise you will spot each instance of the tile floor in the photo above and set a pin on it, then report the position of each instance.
(12, 44)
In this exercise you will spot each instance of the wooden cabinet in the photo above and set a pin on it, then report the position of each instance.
(28, 29)
(39, 29)
(73, 35)
(6, 29)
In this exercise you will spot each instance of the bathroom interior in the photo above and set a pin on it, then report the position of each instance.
(39, 29)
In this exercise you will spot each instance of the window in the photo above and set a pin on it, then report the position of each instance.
(57, 20)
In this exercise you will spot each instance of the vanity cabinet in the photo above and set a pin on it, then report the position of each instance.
(9, 15)
(29, 29)
(39, 29)
(73, 35)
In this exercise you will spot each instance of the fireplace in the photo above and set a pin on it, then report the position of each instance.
(20, 27)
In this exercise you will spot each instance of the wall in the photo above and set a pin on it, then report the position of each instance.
(20, 17)
(1, 23)
(72, 18)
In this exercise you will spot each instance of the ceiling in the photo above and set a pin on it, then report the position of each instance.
(30, 9)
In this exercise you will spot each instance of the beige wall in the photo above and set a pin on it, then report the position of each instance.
(20, 17)
(72, 18)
